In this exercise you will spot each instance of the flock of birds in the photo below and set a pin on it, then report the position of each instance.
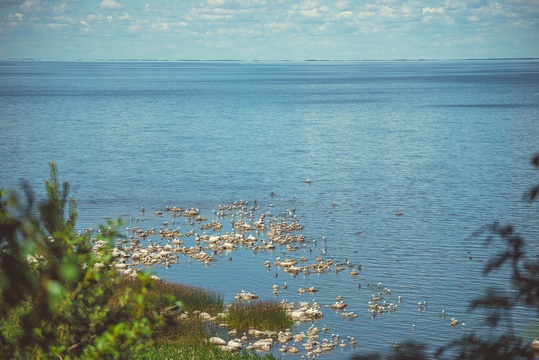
(251, 228)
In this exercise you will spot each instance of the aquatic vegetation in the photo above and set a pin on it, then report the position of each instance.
(261, 315)
(201, 351)
(163, 294)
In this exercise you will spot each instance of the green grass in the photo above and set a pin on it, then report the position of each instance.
(192, 297)
(185, 337)
(260, 315)
(189, 331)
(176, 330)
(209, 352)
(163, 294)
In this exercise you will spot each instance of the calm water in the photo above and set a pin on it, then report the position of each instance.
(448, 144)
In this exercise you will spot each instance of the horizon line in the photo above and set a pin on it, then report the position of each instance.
(268, 60)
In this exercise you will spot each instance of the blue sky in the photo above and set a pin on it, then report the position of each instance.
(268, 30)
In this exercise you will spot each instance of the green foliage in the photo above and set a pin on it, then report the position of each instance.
(207, 352)
(173, 299)
(54, 287)
(261, 315)
(189, 331)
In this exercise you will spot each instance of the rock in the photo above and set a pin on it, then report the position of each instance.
(338, 305)
(264, 345)
(234, 345)
(204, 316)
(129, 272)
(293, 349)
(217, 341)
(173, 311)
(246, 296)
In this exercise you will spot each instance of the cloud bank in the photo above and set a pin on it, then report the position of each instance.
(272, 30)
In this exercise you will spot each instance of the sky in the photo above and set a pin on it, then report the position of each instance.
(268, 29)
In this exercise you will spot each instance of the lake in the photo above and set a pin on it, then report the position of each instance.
(405, 161)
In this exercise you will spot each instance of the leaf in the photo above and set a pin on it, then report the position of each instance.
(69, 272)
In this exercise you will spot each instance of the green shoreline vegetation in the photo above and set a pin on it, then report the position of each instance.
(61, 297)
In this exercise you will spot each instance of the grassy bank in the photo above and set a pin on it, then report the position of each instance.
(182, 332)
(184, 352)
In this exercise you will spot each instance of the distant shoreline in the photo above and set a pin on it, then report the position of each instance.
(266, 60)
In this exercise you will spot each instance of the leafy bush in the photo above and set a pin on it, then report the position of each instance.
(55, 284)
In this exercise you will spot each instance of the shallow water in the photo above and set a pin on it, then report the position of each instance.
(448, 144)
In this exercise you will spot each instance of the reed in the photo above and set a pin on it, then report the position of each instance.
(192, 297)
(261, 315)
(189, 331)
(163, 294)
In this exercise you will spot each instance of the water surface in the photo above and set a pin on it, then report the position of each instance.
(447, 144)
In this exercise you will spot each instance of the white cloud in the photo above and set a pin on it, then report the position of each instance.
(363, 15)
(123, 17)
(31, 5)
(311, 13)
(280, 27)
(263, 24)
(407, 11)
(111, 4)
(95, 17)
(387, 11)
(343, 4)
(64, 18)
(429, 10)
(9, 23)
(137, 25)
(216, 2)
(454, 5)
(493, 9)
(16, 17)
(215, 16)
(344, 15)
(56, 26)
(60, 8)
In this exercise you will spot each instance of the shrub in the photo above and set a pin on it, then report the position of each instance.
(55, 286)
